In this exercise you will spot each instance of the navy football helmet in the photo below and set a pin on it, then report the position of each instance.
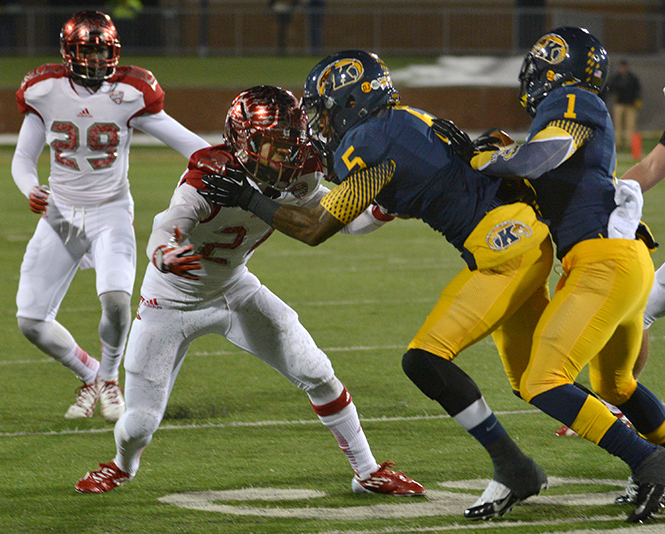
(342, 91)
(565, 56)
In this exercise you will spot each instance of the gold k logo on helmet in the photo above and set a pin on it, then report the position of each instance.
(551, 48)
(341, 73)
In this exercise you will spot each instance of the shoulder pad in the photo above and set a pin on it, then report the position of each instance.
(209, 160)
(144, 81)
(49, 70)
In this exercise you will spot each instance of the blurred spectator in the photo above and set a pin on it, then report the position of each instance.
(530, 21)
(624, 88)
(315, 17)
(283, 10)
(8, 12)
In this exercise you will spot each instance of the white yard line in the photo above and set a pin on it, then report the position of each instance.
(249, 424)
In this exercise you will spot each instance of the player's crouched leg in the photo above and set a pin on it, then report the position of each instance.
(332, 402)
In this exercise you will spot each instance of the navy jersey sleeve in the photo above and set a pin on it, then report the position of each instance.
(361, 148)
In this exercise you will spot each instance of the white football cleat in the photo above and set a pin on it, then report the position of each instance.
(86, 400)
(630, 493)
(110, 399)
(498, 499)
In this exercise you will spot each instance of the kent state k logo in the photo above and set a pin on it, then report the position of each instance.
(341, 73)
(551, 48)
(507, 233)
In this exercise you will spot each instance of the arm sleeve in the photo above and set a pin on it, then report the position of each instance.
(187, 208)
(170, 132)
(352, 197)
(545, 151)
(369, 220)
(29, 146)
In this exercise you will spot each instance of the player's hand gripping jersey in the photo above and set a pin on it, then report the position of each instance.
(225, 237)
(89, 134)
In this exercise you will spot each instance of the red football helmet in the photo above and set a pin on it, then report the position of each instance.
(89, 46)
(267, 132)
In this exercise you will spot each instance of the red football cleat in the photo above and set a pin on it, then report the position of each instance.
(389, 482)
(107, 477)
(565, 431)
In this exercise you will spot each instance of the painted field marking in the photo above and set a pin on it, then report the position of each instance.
(437, 502)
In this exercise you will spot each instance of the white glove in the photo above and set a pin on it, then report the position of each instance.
(627, 215)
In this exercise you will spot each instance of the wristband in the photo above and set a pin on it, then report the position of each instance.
(662, 139)
(262, 206)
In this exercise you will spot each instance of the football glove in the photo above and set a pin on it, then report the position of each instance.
(491, 140)
(458, 140)
(228, 189)
(38, 199)
(176, 259)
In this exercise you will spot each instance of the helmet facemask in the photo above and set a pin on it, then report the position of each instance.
(275, 159)
(266, 129)
(90, 47)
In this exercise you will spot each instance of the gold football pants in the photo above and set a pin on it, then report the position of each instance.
(505, 301)
(595, 317)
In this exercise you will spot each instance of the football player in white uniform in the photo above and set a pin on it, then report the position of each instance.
(85, 110)
(198, 283)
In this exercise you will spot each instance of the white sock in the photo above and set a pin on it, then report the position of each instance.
(345, 426)
(83, 365)
(110, 362)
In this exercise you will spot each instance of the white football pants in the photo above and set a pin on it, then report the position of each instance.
(251, 317)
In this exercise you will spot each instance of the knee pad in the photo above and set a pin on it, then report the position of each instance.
(32, 329)
(116, 305)
(441, 380)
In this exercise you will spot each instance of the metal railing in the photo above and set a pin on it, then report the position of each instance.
(250, 28)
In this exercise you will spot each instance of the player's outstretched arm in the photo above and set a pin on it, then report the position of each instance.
(232, 189)
(651, 169)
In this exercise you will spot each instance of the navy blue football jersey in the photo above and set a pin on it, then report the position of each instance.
(577, 197)
(429, 181)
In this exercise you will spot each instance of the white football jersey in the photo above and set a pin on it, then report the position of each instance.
(89, 133)
(225, 237)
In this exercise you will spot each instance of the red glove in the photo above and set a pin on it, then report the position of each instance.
(38, 199)
(176, 259)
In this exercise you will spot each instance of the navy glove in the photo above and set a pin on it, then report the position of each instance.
(458, 140)
(228, 189)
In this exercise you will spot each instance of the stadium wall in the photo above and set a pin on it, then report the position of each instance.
(472, 108)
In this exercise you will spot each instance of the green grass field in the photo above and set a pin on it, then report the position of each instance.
(233, 424)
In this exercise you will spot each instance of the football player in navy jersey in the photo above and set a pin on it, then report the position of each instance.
(389, 154)
(595, 316)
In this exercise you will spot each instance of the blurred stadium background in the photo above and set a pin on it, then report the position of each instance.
(186, 43)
